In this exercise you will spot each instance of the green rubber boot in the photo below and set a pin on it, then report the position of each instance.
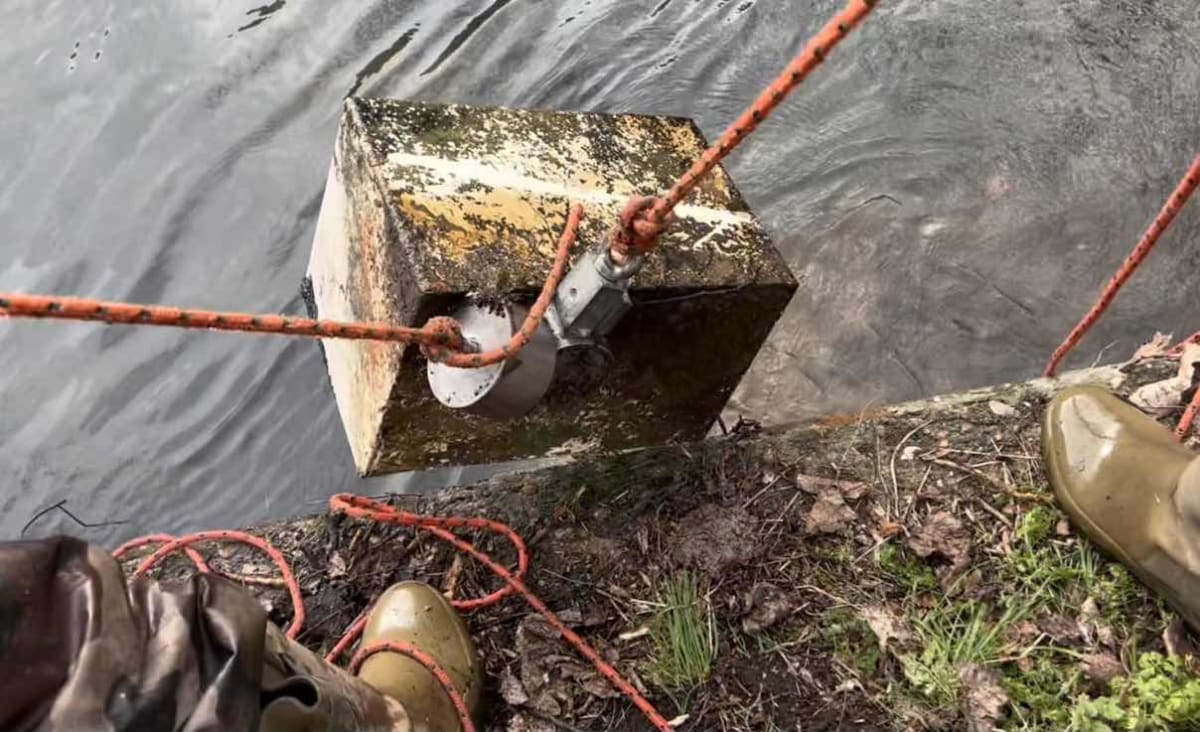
(1131, 487)
(418, 614)
(301, 692)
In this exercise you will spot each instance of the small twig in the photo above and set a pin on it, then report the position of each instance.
(758, 495)
(1100, 355)
(869, 550)
(835, 598)
(992, 510)
(354, 539)
(915, 496)
(62, 506)
(1006, 489)
(1008, 455)
(452, 576)
(788, 508)
(895, 452)
(253, 579)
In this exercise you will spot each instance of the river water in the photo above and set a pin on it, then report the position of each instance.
(951, 190)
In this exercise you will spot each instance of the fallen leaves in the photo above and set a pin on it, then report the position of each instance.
(984, 700)
(511, 689)
(1089, 614)
(942, 535)
(1177, 640)
(548, 679)
(887, 625)
(1000, 409)
(851, 490)
(829, 515)
(1156, 347)
(1100, 668)
(336, 567)
(1161, 398)
(1060, 629)
(766, 605)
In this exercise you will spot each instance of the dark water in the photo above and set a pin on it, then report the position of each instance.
(951, 190)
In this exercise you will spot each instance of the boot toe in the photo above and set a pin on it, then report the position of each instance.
(419, 615)
(1110, 465)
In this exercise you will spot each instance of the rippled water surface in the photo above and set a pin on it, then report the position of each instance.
(951, 191)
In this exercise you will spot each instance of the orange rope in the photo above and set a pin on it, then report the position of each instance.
(441, 336)
(1189, 414)
(191, 553)
(439, 673)
(440, 527)
(644, 217)
(16, 305)
(1177, 349)
(365, 508)
(170, 545)
(1172, 207)
(532, 321)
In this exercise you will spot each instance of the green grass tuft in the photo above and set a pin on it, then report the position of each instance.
(953, 634)
(1060, 575)
(683, 633)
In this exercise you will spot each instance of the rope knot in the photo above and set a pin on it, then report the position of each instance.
(638, 229)
(446, 336)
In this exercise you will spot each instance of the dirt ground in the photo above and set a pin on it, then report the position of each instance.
(901, 569)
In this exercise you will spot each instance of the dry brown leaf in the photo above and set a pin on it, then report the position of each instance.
(1060, 628)
(1101, 668)
(984, 701)
(1156, 347)
(1024, 632)
(829, 515)
(887, 625)
(1089, 612)
(511, 689)
(571, 616)
(944, 536)
(336, 567)
(1160, 398)
(1177, 640)
(851, 490)
(1000, 409)
(766, 605)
